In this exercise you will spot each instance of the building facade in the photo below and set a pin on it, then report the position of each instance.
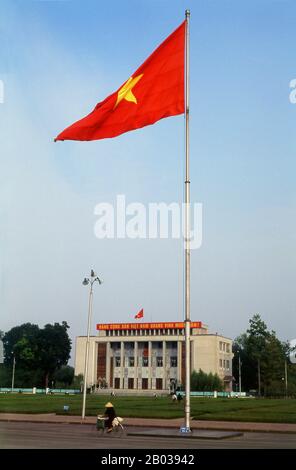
(150, 357)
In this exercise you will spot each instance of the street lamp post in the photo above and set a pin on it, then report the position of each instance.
(259, 378)
(88, 281)
(13, 372)
(240, 375)
(286, 378)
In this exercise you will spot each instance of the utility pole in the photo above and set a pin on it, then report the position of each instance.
(259, 379)
(240, 375)
(13, 372)
(286, 378)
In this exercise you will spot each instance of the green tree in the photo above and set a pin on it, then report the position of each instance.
(249, 376)
(64, 376)
(54, 347)
(263, 357)
(257, 338)
(1, 347)
(20, 342)
(38, 352)
(202, 382)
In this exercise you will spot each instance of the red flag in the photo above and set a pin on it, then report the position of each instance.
(155, 91)
(140, 314)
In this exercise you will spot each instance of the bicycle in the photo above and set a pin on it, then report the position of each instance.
(116, 424)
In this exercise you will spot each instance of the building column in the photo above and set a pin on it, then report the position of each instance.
(95, 363)
(136, 360)
(149, 365)
(108, 365)
(191, 357)
(179, 363)
(122, 358)
(164, 384)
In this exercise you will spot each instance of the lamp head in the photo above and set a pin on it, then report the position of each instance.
(85, 281)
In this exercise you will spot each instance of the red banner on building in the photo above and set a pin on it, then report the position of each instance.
(146, 326)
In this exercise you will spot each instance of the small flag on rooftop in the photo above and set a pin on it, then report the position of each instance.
(140, 314)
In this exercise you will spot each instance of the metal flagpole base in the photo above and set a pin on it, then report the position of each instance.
(185, 430)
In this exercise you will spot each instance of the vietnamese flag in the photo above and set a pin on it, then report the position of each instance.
(140, 314)
(155, 91)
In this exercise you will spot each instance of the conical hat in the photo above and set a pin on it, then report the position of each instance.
(108, 405)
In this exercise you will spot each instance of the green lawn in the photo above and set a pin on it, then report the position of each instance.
(263, 410)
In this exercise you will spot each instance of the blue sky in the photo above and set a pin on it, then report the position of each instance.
(57, 60)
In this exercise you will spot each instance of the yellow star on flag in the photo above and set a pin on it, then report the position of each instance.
(125, 92)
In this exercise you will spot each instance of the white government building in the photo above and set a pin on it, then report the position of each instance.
(150, 357)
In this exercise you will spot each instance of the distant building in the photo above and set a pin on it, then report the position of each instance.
(142, 357)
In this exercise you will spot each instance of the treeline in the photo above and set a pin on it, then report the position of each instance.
(264, 362)
(202, 382)
(39, 356)
(260, 363)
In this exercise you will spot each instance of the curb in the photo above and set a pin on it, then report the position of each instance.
(152, 425)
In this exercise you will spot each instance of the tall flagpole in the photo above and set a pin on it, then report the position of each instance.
(187, 240)
(87, 351)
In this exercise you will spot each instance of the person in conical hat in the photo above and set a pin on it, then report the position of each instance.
(109, 414)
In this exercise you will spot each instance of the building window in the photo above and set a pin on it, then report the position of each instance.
(227, 365)
(131, 362)
(159, 361)
(158, 384)
(117, 362)
(220, 345)
(144, 384)
(117, 382)
(220, 363)
(227, 347)
(144, 361)
(174, 361)
(130, 383)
